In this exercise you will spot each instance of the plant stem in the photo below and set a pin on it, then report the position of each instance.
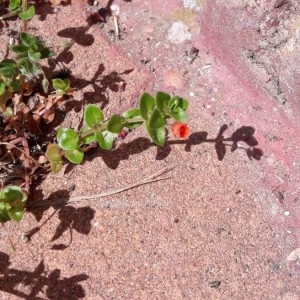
(24, 22)
(103, 126)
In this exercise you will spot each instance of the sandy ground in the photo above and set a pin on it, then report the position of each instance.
(224, 224)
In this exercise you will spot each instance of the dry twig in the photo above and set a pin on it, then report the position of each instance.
(95, 197)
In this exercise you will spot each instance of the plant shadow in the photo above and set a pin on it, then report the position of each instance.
(79, 219)
(40, 281)
(44, 8)
(244, 134)
(100, 84)
(71, 218)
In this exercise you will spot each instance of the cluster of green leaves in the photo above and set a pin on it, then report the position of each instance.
(155, 112)
(26, 65)
(152, 112)
(16, 7)
(12, 203)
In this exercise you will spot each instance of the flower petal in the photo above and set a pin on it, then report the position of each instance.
(181, 130)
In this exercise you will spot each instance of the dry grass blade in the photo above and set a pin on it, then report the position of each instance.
(95, 197)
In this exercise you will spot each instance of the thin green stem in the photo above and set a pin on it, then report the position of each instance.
(103, 126)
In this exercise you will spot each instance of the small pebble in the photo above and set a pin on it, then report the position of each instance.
(287, 213)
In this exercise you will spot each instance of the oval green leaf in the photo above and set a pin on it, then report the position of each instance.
(16, 212)
(162, 100)
(56, 166)
(157, 120)
(8, 67)
(115, 124)
(75, 156)
(27, 15)
(105, 139)
(53, 153)
(28, 40)
(13, 194)
(61, 85)
(13, 4)
(2, 88)
(158, 135)
(93, 116)
(4, 216)
(67, 138)
(34, 56)
(146, 105)
(179, 114)
(131, 114)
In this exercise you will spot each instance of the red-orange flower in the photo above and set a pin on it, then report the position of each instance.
(181, 130)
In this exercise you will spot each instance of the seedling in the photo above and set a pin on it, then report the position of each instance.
(24, 12)
(152, 112)
(20, 120)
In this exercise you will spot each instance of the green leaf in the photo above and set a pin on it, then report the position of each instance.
(13, 194)
(12, 201)
(75, 156)
(67, 138)
(157, 120)
(26, 66)
(93, 116)
(179, 114)
(34, 56)
(184, 104)
(16, 212)
(2, 88)
(88, 139)
(61, 86)
(29, 40)
(14, 85)
(35, 69)
(4, 216)
(178, 102)
(8, 67)
(116, 124)
(162, 100)
(157, 135)
(105, 139)
(53, 153)
(27, 15)
(13, 4)
(20, 50)
(46, 53)
(146, 105)
(130, 114)
(56, 166)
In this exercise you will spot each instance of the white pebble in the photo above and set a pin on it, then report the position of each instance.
(178, 33)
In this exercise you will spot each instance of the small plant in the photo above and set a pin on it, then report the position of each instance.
(15, 74)
(24, 12)
(12, 203)
(152, 112)
(20, 120)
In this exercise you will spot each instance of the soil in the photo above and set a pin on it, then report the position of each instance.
(225, 223)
